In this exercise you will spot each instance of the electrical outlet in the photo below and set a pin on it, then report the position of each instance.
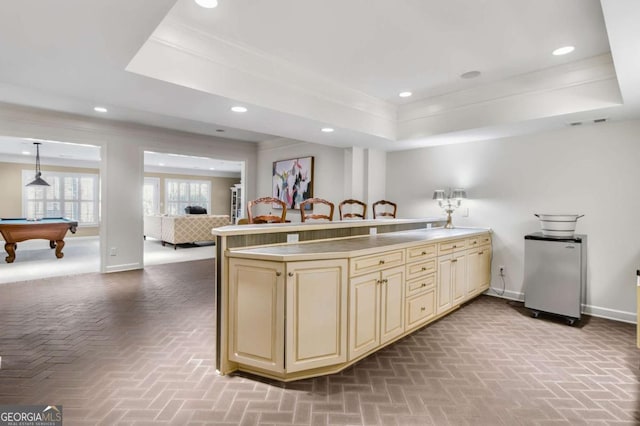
(292, 238)
(428, 225)
(373, 231)
(501, 270)
(113, 251)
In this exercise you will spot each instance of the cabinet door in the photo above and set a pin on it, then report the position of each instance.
(256, 313)
(479, 270)
(484, 275)
(474, 272)
(316, 314)
(445, 278)
(364, 301)
(459, 279)
(391, 304)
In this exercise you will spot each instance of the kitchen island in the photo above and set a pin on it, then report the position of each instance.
(293, 310)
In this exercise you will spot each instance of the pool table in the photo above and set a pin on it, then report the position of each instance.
(49, 228)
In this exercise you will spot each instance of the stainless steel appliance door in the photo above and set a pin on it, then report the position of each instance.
(552, 275)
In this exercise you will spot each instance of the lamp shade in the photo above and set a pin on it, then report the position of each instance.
(438, 194)
(38, 181)
(459, 194)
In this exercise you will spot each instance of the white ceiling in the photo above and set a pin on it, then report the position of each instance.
(299, 66)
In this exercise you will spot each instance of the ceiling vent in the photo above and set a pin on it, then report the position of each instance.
(576, 123)
(600, 120)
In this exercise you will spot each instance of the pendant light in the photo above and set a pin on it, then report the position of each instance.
(38, 181)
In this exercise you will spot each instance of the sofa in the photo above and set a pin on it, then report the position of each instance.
(183, 229)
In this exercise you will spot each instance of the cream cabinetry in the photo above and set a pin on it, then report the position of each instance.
(376, 309)
(256, 313)
(376, 301)
(479, 272)
(287, 316)
(452, 274)
(291, 315)
(316, 327)
(420, 303)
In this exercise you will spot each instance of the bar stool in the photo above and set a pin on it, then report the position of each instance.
(310, 202)
(380, 208)
(269, 218)
(351, 214)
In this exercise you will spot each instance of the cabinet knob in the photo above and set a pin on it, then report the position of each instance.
(423, 285)
(475, 242)
(423, 308)
(290, 274)
(381, 262)
(481, 253)
(454, 260)
(455, 246)
(278, 274)
(424, 268)
(385, 281)
(424, 252)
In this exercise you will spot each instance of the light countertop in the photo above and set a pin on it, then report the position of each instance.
(265, 228)
(352, 246)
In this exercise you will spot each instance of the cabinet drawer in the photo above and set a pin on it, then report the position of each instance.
(420, 308)
(375, 262)
(478, 241)
(421, 252)
(420, 285)
(419, 269)
(451, 246)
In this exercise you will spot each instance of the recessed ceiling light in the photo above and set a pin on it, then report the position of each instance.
(470, 74)
(238, 109)
(160, 164)
(209, 4)
(563, 50)
(327, 129)
(99, 109)
(26, 153)
(212, 168)
(405, 94)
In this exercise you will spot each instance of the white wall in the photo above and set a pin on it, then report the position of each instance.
(592, 170)
(121, 170)
(328, 176)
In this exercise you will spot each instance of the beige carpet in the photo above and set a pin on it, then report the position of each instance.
(34, 258)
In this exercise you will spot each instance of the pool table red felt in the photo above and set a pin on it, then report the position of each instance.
(49, 228)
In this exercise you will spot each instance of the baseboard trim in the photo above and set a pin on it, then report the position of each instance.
(123, 267)
(595, 311)
(612, 314)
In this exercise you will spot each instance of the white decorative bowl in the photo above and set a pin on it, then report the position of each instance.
(558, 225)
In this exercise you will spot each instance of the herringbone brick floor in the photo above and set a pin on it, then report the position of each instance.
(137, 348)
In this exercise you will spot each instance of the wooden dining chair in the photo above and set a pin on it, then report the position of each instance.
(380, 208)
(268, 218)
(351, 214)
(316, 216)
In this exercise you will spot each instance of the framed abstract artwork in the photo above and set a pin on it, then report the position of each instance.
(293, 180)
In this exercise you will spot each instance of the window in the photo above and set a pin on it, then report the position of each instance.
(71, 195)
(151, 196)
(181, 193)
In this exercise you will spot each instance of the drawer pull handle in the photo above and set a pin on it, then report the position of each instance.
(278, 274)
(481, 253)
(290, 274)
(423, 285)
(475, 242)
(423, 308)
(424, 252)
(385, 281)
(378, 281)
(455, 246)
(424, 268)
(454, 260)
(381, 262)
